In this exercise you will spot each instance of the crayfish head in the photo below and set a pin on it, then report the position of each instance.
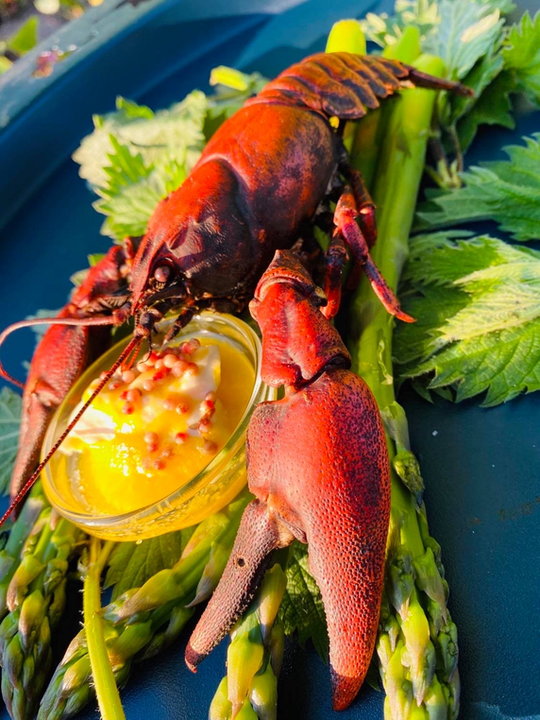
(155, 277)
(157, 286)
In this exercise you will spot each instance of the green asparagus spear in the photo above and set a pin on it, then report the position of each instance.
(142, 621)
(417, 647)
(371, 129)
(11, 552)
(249, 689)
(36, 559)
(109, 703)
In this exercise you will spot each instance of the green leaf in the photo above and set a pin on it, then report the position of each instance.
(384, 29)
(431, 263)
(133, 190)
(143, 133)
(25, 38)
(521, 55)
(506, 191)
(477, 304)
(505, 363)
(131, 564)
(302, 609)
(135, 157)
(460, 31)
(492, 107)
(430, 308)
(467, 31)
(10, 415)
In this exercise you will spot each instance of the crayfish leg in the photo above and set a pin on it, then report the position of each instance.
(62, 355)
(423, 80)
(345, 219)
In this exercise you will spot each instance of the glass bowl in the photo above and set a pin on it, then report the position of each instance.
(205, 493)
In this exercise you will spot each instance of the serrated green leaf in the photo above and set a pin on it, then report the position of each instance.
(439, 259)
(133, 190)
(10, 416)
(429, 15)
(430, 308)
(521, 54)
(135, 157)
(492, 107)
(467, 31)
(504, 363)
(477, 305)
(384, 29)
(155, 138)
(478, 79)
(131, 564)
(301, 609)
(506, 191)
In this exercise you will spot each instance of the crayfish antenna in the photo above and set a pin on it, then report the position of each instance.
(31, 322)
(128, 351)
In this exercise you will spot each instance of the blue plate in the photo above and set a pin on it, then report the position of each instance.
(481, 466)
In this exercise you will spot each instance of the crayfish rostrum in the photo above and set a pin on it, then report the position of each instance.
(317, 461)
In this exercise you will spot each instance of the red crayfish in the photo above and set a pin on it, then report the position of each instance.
(317, 461)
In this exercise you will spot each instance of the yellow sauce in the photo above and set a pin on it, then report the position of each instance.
(154, 427)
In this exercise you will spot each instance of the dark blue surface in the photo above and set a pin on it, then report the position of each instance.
(481, 466)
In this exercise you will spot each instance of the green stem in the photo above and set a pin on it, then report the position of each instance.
(395, 193)
(106, 691)
(370, 134)
(398, 178)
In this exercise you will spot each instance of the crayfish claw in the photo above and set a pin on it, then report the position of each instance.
(259, 533)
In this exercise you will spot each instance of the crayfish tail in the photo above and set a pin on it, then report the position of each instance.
(420, 79)
(259, 533)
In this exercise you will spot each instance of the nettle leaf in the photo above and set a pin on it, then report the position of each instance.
(521, 55)
(429, 263)
(478, 79)
(504, 363)
(131, 564)
(477, 304)
(511, 65)
(493, 106)
(133, 190)
(92, 153)
(506, 191)
(302, 610)
(384, 29)
(467, 31)
(10, 416)
(153, 137)
(430, 308)
(135, 157)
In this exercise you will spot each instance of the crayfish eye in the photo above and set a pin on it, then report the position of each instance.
(162, 273)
